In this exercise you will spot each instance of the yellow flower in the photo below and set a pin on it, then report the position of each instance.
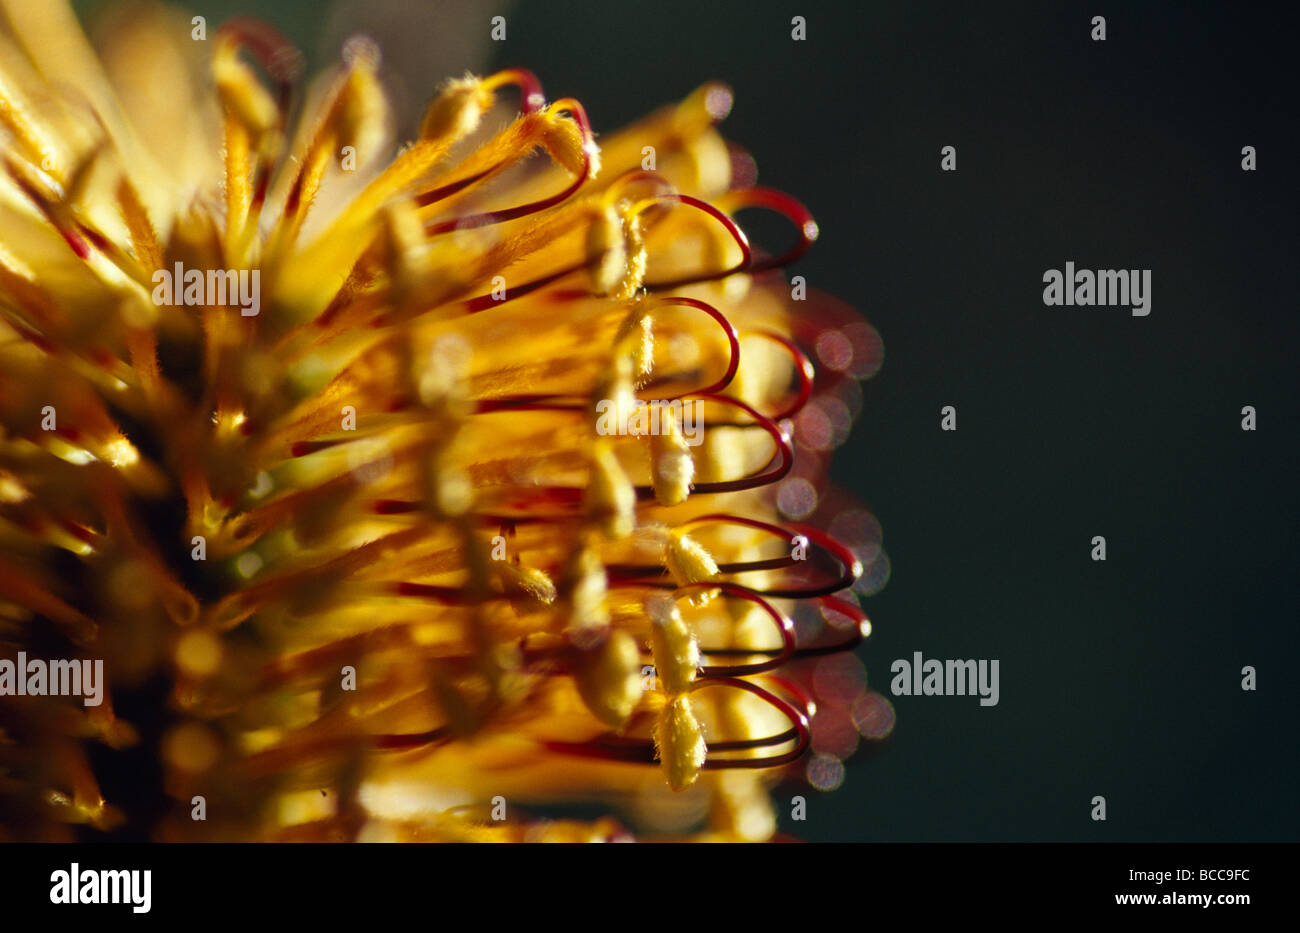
(402, 498)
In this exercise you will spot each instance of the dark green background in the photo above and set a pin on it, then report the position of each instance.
(1119, 678)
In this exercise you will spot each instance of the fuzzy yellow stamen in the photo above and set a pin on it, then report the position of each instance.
(609, 678)
(611, 498)
(673, 469)
(690, 562)
(679, 743)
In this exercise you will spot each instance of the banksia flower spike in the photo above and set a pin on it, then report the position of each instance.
(400, 498)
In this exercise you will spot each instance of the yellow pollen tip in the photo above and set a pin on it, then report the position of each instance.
(679, 743)
(608, 676)
(611, 497)
(690, 562)
(676, 651)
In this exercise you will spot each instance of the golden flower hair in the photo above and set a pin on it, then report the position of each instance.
(363, 564)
